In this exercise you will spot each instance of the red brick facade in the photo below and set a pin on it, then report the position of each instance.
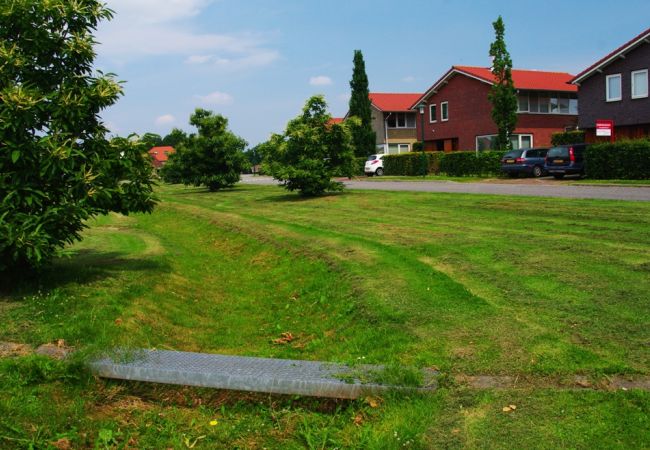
(470, 116)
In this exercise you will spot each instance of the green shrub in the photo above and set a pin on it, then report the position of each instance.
(359, 166)
(459, 164)
(410, 164)
(568, 137)
(623, 160)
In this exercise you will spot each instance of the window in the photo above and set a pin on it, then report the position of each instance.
(444, 111)
(523, 103)
(548, 103)
(640, 83)
(396, 149)
(401, 120)
(613, 88)
(432, 113)
(519, 141)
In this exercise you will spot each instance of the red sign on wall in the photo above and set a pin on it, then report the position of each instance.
(605, 128)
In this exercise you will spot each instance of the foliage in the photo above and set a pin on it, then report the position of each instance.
(360, 165)
(175, 138)
(623, 160)
(503, 94)
(410, 164)
(57, 168)
(312, 151)
(568, 137)
(363, 136)
(213, 158)
(151, 140)
(459, 164)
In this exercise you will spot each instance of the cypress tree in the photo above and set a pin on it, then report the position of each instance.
(363, 136)
(503, 94)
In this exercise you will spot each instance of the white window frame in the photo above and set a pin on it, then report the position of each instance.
(397, 127)
(433, 118)
(620, 81)
(519, 135)
(633, 85)
(444, 106)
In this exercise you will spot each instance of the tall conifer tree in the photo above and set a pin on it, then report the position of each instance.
(363, 136)
(503, 94)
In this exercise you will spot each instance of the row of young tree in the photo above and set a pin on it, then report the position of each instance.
(306, 157)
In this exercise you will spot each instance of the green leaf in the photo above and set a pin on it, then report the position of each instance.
(15, 155)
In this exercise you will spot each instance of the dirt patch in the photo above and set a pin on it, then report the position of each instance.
(12, 349)
(576, 382)
(57, 350)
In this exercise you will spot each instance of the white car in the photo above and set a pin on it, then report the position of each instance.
(374, 165)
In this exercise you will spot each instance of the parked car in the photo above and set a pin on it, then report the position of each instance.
(529, 161)
(374, 165)
(566, 160)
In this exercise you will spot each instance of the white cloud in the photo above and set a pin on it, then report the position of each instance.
(320, 80)
(166, 119)
(198, 59)
(216, 98)
(163, 27)
(408, 79)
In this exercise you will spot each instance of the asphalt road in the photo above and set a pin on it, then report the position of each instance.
(537, 190)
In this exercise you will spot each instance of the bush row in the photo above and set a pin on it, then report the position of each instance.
(568, 137)
(412, 163)
(619, 160)
(455, 164)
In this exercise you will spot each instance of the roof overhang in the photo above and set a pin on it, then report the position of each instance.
(643, 38)
(443, 81)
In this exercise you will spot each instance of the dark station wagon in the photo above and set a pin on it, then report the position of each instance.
(529, 161)
(566, 160)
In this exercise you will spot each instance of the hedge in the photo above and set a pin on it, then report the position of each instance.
(410, 164)
(459, 164)
(453, 164)
(568, 137)
(622, 160)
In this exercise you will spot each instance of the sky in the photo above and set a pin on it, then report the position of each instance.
(256, 62)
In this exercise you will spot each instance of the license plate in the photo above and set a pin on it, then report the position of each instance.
(558, 161)
(510, 161)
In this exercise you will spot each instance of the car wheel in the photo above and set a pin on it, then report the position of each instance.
(558, 176)
(379, 172)
(537, 172)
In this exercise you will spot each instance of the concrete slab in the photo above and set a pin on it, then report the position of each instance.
(276, 376)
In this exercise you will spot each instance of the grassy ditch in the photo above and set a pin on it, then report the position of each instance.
(476, 285)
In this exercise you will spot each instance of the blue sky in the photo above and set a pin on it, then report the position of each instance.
(257, 61)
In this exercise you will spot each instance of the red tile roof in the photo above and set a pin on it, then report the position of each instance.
(334, 120)
(160, 153)
(526, 79)
(622, 50)
(523, 79)
(393, 101)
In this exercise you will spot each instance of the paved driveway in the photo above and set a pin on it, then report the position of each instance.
(549, 189)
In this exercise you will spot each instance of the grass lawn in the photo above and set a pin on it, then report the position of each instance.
(537, 289)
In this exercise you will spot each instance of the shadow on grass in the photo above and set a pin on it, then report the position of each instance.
(83, 267)
(184, 191)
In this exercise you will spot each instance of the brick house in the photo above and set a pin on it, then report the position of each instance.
(457, 111)
(616, 88)
(393, 121)
(160, 155)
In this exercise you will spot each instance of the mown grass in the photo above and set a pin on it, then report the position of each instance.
(536, 288)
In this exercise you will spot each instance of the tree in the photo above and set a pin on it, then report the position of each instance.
(311, 151)
(363, 136)
(57, 167)
(213, 158)
(151, 140)
(503, 94)
(175, 138)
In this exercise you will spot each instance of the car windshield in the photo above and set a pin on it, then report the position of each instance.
(372, 157)
(513, 154)
(558, 152)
